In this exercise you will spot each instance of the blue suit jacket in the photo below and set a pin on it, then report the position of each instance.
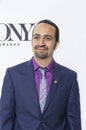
(20, 108)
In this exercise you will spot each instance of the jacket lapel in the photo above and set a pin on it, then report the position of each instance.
(29, 81)
(55, 83)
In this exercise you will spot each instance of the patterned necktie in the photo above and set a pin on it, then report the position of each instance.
(42, 90)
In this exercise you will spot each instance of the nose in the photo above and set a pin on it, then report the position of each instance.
(42, 41)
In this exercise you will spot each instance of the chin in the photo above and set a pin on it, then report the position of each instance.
(44, 56)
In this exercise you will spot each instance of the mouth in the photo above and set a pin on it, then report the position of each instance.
(41, 48)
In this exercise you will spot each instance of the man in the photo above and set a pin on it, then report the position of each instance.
(22, 107)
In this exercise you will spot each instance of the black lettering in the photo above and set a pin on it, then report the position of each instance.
(7, 32)
(15, 31)
(25, 31)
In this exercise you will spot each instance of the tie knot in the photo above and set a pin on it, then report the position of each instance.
(42, 71)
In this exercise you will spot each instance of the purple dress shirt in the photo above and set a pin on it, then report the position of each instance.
(38, 75)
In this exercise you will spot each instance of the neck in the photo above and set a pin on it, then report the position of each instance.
(43, 62)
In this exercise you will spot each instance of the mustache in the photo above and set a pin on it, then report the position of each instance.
(42, 46)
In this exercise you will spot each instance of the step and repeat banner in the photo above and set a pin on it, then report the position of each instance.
(17, 19)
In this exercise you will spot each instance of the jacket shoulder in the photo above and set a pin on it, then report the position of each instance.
(19, 67)
(65, 70)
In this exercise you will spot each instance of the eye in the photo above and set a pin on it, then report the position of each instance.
(36, 37)
(48, 38)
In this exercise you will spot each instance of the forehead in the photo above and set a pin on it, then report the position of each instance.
(44, 28)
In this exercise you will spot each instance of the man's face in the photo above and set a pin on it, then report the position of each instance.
(43, 40)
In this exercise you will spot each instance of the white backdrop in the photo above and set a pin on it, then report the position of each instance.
(69, 15)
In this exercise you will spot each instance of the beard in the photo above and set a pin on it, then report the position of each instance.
(41, 55)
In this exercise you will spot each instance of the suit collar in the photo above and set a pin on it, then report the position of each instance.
(57, 76)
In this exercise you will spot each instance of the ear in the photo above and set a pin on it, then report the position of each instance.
(56, 45)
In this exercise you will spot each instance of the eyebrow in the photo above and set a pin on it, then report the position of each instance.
(44, 35)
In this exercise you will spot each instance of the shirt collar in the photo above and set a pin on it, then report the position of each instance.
(36, 66)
